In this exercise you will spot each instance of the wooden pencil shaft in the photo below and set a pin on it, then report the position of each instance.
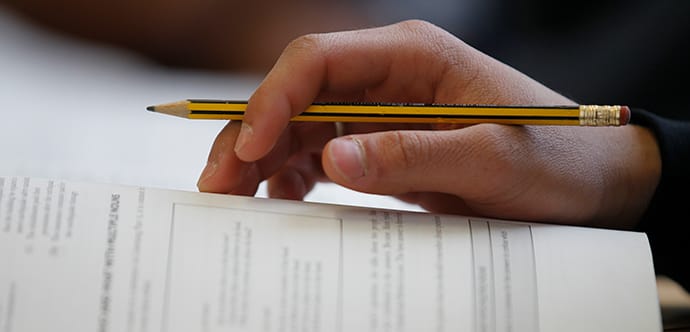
(380, 109)
(591, 115)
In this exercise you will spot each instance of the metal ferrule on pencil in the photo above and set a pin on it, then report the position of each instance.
(600, 115)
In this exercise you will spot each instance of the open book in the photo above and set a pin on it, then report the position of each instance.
(98, 257)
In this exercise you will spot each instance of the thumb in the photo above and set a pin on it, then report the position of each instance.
(399, 162)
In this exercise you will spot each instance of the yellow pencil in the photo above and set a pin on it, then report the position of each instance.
(577, 115)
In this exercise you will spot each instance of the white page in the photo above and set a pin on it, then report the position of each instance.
(83, 257)
(607, 272)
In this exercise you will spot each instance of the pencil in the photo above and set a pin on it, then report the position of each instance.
(577, 115)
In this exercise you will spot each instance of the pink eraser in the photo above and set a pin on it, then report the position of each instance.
(625, 115)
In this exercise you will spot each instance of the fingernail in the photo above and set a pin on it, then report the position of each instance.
(209, 170)
(246, 133)
(347, 155)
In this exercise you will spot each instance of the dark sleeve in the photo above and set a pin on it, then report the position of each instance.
(666, 220)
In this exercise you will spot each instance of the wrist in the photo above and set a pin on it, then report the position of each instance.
(639, 164)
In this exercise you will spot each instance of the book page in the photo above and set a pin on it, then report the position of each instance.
(92, 257)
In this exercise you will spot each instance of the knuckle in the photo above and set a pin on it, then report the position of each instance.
(416, 25)
(307, 42)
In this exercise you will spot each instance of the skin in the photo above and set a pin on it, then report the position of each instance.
(595, 176)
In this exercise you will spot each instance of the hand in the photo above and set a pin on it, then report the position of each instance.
(575, 175)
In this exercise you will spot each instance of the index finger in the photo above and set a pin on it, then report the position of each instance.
(362, 65)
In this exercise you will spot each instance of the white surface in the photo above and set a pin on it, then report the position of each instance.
(77, 111)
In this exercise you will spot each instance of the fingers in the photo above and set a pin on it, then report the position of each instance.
(226, 173)
(392, 63)
(297, 178)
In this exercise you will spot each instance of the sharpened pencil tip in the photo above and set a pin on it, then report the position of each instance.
(151, 108)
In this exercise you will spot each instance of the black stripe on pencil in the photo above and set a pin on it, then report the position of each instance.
(318, 115)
